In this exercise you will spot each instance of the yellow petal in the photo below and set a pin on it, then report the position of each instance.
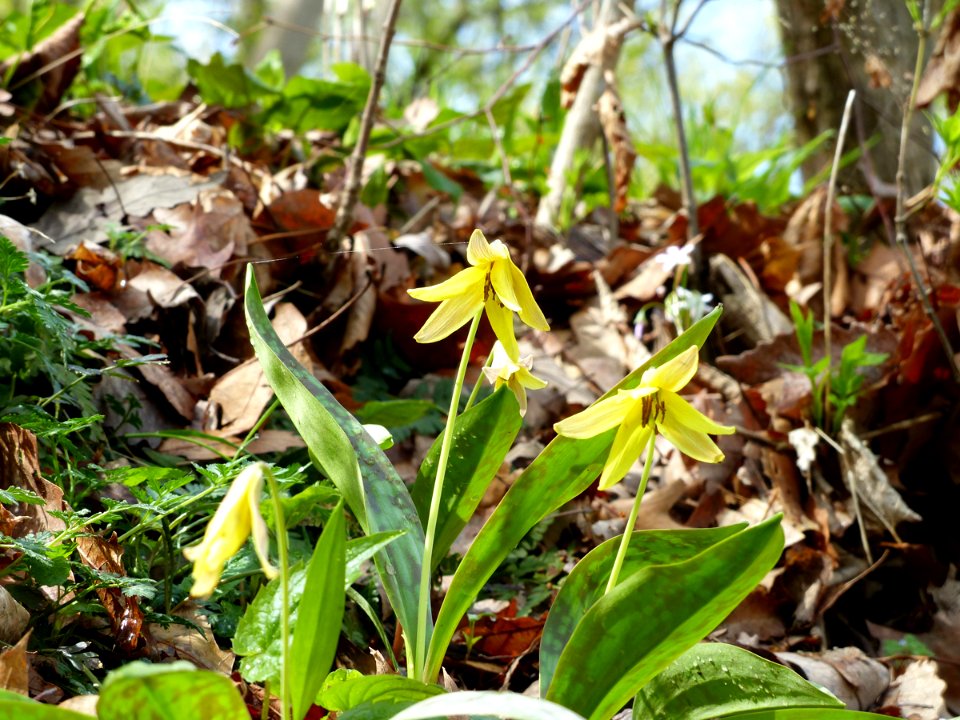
(502, 281)
(630, 441)
(501, 320)
(673, 374)
(480, 252)
(529, 380)
(464, 282)
(598, 418)
(452, 315)
(516, 387)
(529, 312)
(261, 540)
(697, 445)
(681, 413)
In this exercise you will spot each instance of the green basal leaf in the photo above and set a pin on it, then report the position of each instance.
(482, 437)
(715, 680)
(809, 714)
(318, 626)
(652, 617)
(377, 497)
(26, 709)
(564, 469)
(168, 692)
(394, 413)
(586, 583)
(374, 695)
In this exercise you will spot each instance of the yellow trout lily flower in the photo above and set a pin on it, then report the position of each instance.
(237, 517)
(653, 406)
(492, 282)
(515, 375)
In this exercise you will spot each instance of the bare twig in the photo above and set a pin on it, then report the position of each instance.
(900, 219)
(828, 247)
(668, 38)
(355, 167)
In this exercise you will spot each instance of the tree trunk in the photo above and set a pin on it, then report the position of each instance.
(870, 46)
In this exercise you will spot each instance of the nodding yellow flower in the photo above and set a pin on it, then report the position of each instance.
(237, 517)
(493, 283)
(653, 406)
(514, 373)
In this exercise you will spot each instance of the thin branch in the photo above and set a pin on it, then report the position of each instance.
(900, 219)
(828, 247)
(667, 40)
(355, 166)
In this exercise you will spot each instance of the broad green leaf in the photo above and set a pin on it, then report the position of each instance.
(651, 618)
(142, 691)
(10, 696)
(715, 680)
(375, 696)
(588, 580)
(257, 638)
(482, 437)
(378, 497)
(26, 709)
(318, 626)
(564, 469)
(487, 704)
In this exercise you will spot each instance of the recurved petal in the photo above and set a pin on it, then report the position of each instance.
(503, 283)
(598, 418)
(697, 445)
(673, 374)
(516, 387)
(452, 315)
(261, 540)
(529, 380)
(529, 312)
(464, 282)
(501, 320)
(681, 413)
(630, 441)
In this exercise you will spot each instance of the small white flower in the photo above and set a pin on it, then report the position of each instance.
(804, 441)
(515, 374)
(673, 257)
(684, 307)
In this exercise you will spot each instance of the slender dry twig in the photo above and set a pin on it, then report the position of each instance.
(668, 37)
(828, 247)
(900, 220)
(355, 167)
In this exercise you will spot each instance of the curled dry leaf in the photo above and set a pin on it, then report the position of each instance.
(866, 478)
(186, 642)
(244, 393)
(14, 618)
(918, 692)
(54, 62)
(15, 668)
(163, 287)
(614, 123)
(20, 467)
(600, 46)
(126, 617)
(848, 673)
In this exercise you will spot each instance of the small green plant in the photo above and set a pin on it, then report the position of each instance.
(845, 381)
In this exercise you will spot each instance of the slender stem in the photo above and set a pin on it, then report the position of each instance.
(355, 166)
(632, 520)
(900, 218)
(828, 249)
(667, 40)
(281, 527)
(476, 387)
(426, 569)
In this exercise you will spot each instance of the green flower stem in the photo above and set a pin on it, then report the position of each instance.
(476, 386)
(423, 617)
(632, 520)
(281, 528)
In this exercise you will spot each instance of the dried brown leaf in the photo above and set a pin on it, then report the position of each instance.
(15, 669)
(614, 123)
(942, 74)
